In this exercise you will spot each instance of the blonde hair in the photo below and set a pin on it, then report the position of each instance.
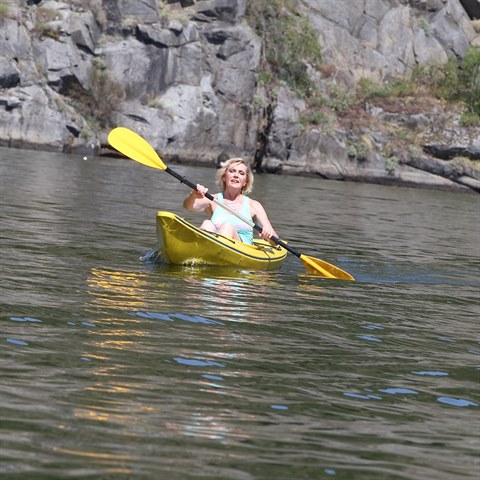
(224, 166)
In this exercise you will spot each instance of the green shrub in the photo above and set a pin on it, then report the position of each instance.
(391, 164)
(397, 88)
(414, 150)
(315, 118)
(104, 94)
(370, 89)
(352, 150)
(4, 10)
(340, 98)
(265, 77)
(402, 88)
(447, 83)
(470, 80)
(360, 149)
(364, 148)
(425, 27)
(105, 91)
(456, 82)
(289, 42)
(469, 119)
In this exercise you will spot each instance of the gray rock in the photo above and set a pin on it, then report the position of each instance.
(9, 73)
(144, 11)
(228, 11)
(25, 115)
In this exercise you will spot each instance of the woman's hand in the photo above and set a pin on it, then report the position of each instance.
(200, 191)
(267, 233)
(196, 200)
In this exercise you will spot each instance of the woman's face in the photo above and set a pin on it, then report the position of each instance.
(236, 175)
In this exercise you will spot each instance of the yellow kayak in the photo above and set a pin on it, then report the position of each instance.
(182, 243)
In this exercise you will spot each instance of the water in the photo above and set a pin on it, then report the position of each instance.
(116, 367)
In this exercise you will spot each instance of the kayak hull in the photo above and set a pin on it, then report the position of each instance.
(182, 243)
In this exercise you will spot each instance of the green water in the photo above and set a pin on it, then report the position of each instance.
(116, 367)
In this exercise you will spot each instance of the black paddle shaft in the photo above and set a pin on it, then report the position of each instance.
(258, 228)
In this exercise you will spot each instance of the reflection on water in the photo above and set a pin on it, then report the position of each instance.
(115, 366)
(117, 289)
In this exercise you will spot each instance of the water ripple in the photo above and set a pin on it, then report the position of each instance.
(115, 366)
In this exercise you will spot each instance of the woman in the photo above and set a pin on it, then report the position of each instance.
(235, 179)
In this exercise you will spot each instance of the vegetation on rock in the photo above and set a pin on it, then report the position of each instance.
(289, 43)
(4, 10)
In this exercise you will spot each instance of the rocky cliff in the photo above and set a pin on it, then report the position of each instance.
(187, 76)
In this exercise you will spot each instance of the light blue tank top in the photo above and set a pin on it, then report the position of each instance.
(221, 216)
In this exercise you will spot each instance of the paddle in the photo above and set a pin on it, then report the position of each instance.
(137, 148)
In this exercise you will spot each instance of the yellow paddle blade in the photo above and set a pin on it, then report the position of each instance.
(135, 147)
(325, 269)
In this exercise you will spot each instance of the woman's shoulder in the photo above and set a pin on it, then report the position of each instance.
(252, 201)
(255, 205)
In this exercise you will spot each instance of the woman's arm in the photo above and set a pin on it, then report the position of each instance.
(196, 200)
(259, 213)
